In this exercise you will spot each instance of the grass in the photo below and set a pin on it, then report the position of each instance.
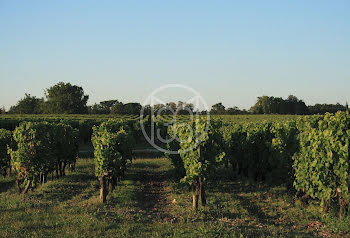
(149, 203)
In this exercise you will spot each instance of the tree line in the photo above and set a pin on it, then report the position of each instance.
(62, 98)
(292, 105)
(65, 98)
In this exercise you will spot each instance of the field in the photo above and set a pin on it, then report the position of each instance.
(150, 202)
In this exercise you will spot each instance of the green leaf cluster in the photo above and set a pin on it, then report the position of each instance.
(113, 142)
(6, 142)
(261, 150)
(321, 166)
(201, 148)
(42, 147)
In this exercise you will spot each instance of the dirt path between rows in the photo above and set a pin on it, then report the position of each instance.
(155, 195)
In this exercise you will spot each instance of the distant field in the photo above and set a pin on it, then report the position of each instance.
(16, 118)
(65, 116)
(255, 118)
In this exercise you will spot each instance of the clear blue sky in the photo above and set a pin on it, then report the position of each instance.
(229, 51)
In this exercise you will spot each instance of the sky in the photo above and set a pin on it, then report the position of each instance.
(227, 51)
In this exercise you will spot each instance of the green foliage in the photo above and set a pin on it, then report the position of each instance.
(34, 153)
(107, 157)
(235, 144)
(261, 150)
(28, 105)
(276, 105)
(103, 107)
(113, 142)
(218, 108)
(65, 144)
(64, 98)
(41, 148)
(173, 145)
(6, 142)
(201, 148)
(283, 146)
(259, 138)
(115, 107)
(322, 164)
(323, 108)
(83, 123)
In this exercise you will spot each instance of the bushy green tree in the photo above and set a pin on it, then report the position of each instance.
(28, 105)
(64, 98)
(104, 107)
(277, 105)
(132, 108)
(323, 108)
(218, 108)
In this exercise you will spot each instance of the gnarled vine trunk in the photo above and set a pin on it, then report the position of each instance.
(324, 206)
(103, 187)
(202, 191)
(195, 195)
(111, 184)
(27, 187)
(342, 203)
(64, 169)
(19, 182)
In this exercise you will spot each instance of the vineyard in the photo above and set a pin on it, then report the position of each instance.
(244, 175)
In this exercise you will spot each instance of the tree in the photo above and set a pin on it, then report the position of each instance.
(147, 110)
(180, 105)
(260, 105)
(277, 105)
(104, 107)
(185, 108)
(292, 98)
(172, 107)
(94, 109)
(132, 108)
(117, 108)
(296, 106)
(300, 108)
(323, 108)
(28, 105)
(267, 105)
(218, 108)
(159, 108)
(233, 111)
(64, 98)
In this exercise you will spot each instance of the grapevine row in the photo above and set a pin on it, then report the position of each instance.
(41, 149)
(310, 153)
